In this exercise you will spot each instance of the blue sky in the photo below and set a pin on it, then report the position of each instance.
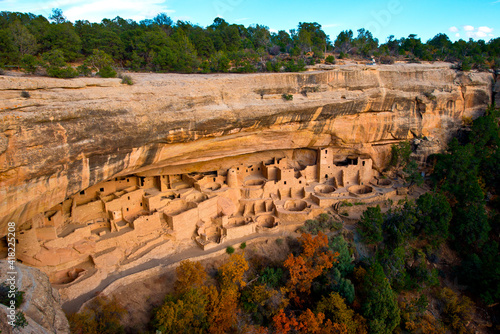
(464, 19)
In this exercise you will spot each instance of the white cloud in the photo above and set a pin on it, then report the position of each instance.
(483, 32)
(96, 10)
(485, 29)
(273, 30)
(476, 34)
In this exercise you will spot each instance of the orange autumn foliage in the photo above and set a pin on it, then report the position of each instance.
(310, 323)
(306, 323)
(315, 258)
(221, 309)
(284, 324)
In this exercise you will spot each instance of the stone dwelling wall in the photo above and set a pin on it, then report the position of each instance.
(89, 211)
(147, 224)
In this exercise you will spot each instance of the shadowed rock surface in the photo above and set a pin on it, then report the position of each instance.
(72, 134)
(41, 304)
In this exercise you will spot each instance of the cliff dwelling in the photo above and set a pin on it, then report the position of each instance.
(119, 220)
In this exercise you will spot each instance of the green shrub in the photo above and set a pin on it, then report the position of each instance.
(84, 70)
(279, 241)
(107, 72)
(29, 64)
(20, 320)
(25, 94)
(126, 79)
(287, 97)
(62, 72)
(271, 276)
(230, 250)
(330, 60)
(243, 245)
(4, 295)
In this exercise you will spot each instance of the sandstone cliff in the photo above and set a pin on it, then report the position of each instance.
(71, 134)
(41, 305)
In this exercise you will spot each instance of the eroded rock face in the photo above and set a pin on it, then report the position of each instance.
(42, 304)
(71, 134)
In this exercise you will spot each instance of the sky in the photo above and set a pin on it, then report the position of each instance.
(459, 19)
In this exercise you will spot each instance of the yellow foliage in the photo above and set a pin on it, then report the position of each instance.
(336, 310)
(457, 311)
(232, 272)
(189, 275)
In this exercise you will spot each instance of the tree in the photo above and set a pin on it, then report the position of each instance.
(433, 217)
(63, 36)
(311, 263)
(57, 16)
(101, 317)
(231, 273)
(162, 19)
(456, 311)
(56, 66)
(400, 154)
(29, 64)
(471, 225)
(365, 43)
(380, 307)
(334, 308)
(189, 275)
(344, 41)
(221, 309)
(370, 226)
(344, 259)
(98, 60)
(186, 314)
(23, 40)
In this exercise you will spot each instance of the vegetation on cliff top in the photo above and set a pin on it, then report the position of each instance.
(38, 45)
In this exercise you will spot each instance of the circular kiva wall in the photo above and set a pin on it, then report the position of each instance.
(255, 183)
(295, 205)
(196, 197)
(212, 186)
(324, 190)
(266, 221)
(361, 191)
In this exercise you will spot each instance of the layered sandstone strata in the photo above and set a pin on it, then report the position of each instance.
(71, 134)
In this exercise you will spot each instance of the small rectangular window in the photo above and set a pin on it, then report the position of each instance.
(101, 189)
(82, 192)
